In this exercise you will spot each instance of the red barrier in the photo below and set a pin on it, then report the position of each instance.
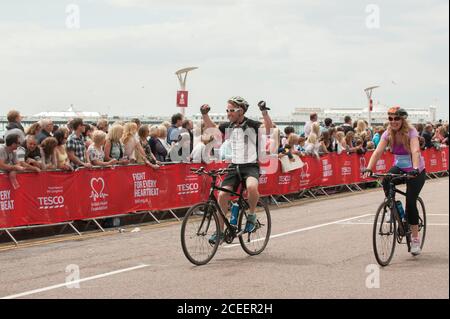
(52, 197)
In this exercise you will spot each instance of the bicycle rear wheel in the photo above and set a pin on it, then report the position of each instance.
(199, 224)
(422, 221)
(255, 242)
(384, 234)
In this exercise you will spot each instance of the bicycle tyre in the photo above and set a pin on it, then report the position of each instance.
(205, 212)
(247, 240)
(384, 254)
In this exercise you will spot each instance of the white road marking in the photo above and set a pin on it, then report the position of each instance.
(350, 223)
(27, 293)
(304, 229)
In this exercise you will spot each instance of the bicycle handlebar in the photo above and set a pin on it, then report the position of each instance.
(203, 171)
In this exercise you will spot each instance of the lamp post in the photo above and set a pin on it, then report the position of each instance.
(369, 91)
(182, 94)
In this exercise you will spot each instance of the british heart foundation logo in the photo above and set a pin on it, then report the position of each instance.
(97, 188)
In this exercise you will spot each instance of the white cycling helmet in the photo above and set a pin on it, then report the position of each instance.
(240, 102)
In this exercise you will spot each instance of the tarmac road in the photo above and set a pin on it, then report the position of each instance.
(319, 249)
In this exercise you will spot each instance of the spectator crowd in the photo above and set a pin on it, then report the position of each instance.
(45, 146)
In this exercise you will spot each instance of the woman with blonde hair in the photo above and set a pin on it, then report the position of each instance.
(160, 147)
(315, 128)
(403, 140)
(340, 142)
(114, 148)
(95, 151)
(360, 127)
(132, 146)
(312, 145)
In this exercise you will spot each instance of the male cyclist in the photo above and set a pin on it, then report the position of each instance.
(403, 141)
(243, 135)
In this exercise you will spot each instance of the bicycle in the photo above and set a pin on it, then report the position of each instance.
(389, 226)
(202, 220)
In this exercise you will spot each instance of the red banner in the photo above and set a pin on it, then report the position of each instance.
(52, 197)
(182, 98)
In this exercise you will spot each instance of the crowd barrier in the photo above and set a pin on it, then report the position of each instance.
(56, 197)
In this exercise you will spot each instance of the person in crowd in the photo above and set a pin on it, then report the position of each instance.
(132, 146)
(349, 139)
(325, 143)
(288, 130)
(162, 148)
(138, 123)
(174, 131)
(420, 128)
(315, 128)
(30, 153)
(333, 143)
(347, 126)
(328, 123)
(114, 148)
(96, 151)
(143, 133)
(87, 134)
(379, 130)
(202, 152)
(428, 135)
(371, 146)
(188, 127)
(46, 130)
(62, 159)
(76, 148)
(341, 142)
(103, 125)
(14, 120)
(33, 129)
(360, 127)
(313, 117)
(301, 145)
(312, 145)
(48, 156)
(8, 156)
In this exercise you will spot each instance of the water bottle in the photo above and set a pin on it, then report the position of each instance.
(234, 214)
(400, 209)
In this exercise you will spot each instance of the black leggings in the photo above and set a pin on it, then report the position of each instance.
(413, 188)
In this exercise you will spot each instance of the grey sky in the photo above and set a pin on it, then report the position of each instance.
(292, 53)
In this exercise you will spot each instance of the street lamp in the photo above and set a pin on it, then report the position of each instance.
(369, 97)
(182, 94)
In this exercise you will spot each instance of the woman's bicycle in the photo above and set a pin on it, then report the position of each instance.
(389, 228)
(202, 221)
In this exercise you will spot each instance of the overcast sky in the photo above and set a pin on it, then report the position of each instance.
(122, 58)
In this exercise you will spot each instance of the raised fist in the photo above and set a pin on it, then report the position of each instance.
(204, 109)
(262, 106)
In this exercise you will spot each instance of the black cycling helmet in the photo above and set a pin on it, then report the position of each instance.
(239, 102)
(397, 111)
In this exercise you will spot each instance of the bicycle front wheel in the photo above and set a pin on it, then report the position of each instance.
(255, 242)
(199, 224)
(384, 234)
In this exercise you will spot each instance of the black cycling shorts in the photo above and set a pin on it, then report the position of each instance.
(246, 170)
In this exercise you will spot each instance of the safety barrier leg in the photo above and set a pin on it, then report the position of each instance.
(73, 227)
(274, 200)
(174, 215)
(12, 237)
(153, 216)
(98, 225)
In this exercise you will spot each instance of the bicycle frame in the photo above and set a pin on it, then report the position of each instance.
(212, 198)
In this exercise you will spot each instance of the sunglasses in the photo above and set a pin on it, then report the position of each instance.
(396, 119)
(233, 110)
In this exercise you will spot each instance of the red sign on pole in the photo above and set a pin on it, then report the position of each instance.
(371, 105)
(182, 98)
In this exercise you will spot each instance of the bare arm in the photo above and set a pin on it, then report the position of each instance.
(415, 152)
(107, 150)
(268, 124)
(206, 119)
